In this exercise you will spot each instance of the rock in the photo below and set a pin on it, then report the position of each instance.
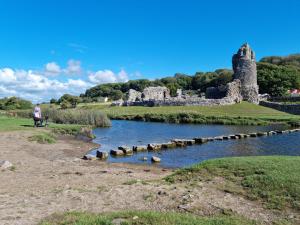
(233, 137)
(210, 139)
(200, 140)
(253, 135)
(126, 150)
(154, 147)
(240, 136)
(184, 141)
(260, 134)
(271, 133)
(219, 138)
(116, 152)
(4, 164)
(144, 158)
(139, 148)
(89, 157)
(102, 155)
(168, 145)
(226, 138)
(155, 159)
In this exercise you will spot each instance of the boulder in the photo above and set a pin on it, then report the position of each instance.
(102, 155)
(226, 138)
(116, 152)
(89, 157)
(233, 137)
(240, 136)
(139, 148)
(4, 164)
(155, 159)
(253, 135)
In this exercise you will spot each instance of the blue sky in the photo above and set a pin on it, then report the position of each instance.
(51, 47)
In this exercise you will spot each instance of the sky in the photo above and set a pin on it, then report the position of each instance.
(52, 47)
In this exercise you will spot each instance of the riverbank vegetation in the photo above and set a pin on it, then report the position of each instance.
(274, 180)
(238, 114)
(142, 217)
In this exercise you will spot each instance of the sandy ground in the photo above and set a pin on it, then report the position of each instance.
(53, 178)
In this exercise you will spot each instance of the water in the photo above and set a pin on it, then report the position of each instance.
(142, 133)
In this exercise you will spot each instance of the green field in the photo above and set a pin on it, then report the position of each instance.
(244, 113)
(274, 180)
(142, 218)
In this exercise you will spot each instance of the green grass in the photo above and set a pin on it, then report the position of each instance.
(274, 180)
(43, 138)
(15, 123)
(244, 113)
(142, 218)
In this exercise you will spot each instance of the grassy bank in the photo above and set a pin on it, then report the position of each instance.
(142, 218)
(244, 114)
(274, 180)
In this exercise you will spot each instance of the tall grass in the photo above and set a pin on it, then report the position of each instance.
(93, 118)
(76, 116)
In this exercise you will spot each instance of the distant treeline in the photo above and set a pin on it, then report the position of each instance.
(13, 103)
(276, 75)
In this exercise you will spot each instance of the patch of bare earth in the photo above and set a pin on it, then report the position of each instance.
(52, 178)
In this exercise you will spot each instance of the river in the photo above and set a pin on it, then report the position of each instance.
(142, 133)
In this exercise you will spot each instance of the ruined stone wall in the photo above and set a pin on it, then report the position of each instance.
(134, 95)
(155, 93)
(244, 67)
(288, 108)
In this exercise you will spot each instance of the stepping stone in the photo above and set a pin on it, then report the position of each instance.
(253, 135)
(200, 140)
(89, 157)
(226, 138)
(168, 145)
(126, 150)
(139, 148)
(116, 152)
(260, 134)
(154, 147)
(233, 137)
(219, 138)
(102, 155)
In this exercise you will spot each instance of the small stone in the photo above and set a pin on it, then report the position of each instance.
(144, 158)
(155, 159)
(4, 164)
(135, 217)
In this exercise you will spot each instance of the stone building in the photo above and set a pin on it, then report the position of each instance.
(244, 67)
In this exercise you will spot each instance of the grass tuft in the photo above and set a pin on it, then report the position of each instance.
(43, 138)
(142, 218)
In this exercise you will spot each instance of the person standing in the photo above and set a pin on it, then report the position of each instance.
(37, 115)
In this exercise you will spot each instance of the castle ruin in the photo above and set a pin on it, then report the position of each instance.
(243, 87)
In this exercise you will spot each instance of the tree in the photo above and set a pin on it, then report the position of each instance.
(277, 80)
(53, 101)
(116, 95)
(71, 99)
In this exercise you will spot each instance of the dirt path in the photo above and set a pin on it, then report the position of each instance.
(53, 178)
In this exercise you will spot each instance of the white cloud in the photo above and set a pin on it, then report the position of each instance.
(52, 68)
(37, 87)
(7, 75)
(108, 76)
(74, 67)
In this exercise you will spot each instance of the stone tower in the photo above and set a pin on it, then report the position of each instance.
(244, 67)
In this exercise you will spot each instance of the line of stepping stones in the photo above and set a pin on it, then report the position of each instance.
(175, 143)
